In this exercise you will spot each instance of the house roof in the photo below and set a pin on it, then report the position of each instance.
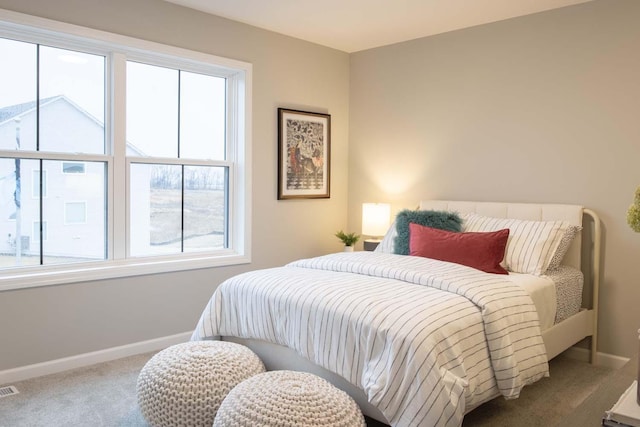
(8, 113)
(13, 111)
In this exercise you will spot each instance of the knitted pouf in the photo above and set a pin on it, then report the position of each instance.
(288, 399)
(184, 384)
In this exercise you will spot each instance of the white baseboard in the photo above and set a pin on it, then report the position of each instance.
(86, 359)
(604, 359)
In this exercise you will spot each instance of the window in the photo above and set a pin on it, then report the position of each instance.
(162, 187)
(72, 167)
(179, 206)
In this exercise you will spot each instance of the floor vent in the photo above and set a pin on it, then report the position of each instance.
(8, 391)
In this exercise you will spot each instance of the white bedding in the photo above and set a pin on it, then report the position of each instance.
(424, 339)
(542, 290)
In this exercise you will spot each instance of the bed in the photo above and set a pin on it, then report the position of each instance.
(417, 341)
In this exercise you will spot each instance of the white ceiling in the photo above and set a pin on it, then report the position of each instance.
(353, 25)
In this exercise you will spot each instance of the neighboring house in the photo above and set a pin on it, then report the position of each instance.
(74, 212)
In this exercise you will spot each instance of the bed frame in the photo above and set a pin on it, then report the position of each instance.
(557, 339)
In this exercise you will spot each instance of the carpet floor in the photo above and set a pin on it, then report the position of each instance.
(104, 395)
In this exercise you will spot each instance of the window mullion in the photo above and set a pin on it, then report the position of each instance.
(181, 167)
(117, 143)
(40, 201)
(182, 211)
(41, 210)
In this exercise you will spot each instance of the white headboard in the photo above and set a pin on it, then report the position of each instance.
(528, 211)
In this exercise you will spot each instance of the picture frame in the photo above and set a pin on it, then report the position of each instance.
(304, 154)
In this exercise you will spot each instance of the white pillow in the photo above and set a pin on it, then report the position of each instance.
(563, 247)
(531, 245)
(387, 244)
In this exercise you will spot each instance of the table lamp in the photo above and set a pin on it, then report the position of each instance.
(375, 222)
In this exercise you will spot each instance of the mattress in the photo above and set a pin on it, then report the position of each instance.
(542, 290)
(557, 295)
(568, 283)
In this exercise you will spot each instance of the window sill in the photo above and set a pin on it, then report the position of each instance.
(74, 273)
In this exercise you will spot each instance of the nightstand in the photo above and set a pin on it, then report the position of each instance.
(370, 245)
(591, 411)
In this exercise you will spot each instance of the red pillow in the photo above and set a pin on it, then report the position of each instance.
(481, 250)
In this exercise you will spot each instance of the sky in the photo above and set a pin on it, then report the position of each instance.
(78, 76)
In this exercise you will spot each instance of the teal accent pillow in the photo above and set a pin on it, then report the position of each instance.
(443, 220)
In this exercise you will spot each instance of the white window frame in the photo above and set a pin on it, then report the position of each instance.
(118, 49)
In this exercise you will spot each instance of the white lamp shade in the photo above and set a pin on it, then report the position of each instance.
(375, 218)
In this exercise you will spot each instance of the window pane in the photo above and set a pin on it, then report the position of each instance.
(155, 213)
(152, 110)
(18, 212)
(84, 241)
(72, 88)
(204, 208)
(202, 116)
(17, 95)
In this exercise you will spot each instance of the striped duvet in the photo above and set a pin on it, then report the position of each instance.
(425, 340)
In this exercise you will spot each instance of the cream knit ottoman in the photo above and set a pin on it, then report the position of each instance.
(288, 399)
(184, 384)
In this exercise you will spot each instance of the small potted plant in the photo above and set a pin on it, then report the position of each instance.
(349, 239)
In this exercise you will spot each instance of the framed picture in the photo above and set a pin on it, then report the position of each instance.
(304, 154)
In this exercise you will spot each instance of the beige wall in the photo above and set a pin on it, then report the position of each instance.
(543, 108)
(42, 324)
